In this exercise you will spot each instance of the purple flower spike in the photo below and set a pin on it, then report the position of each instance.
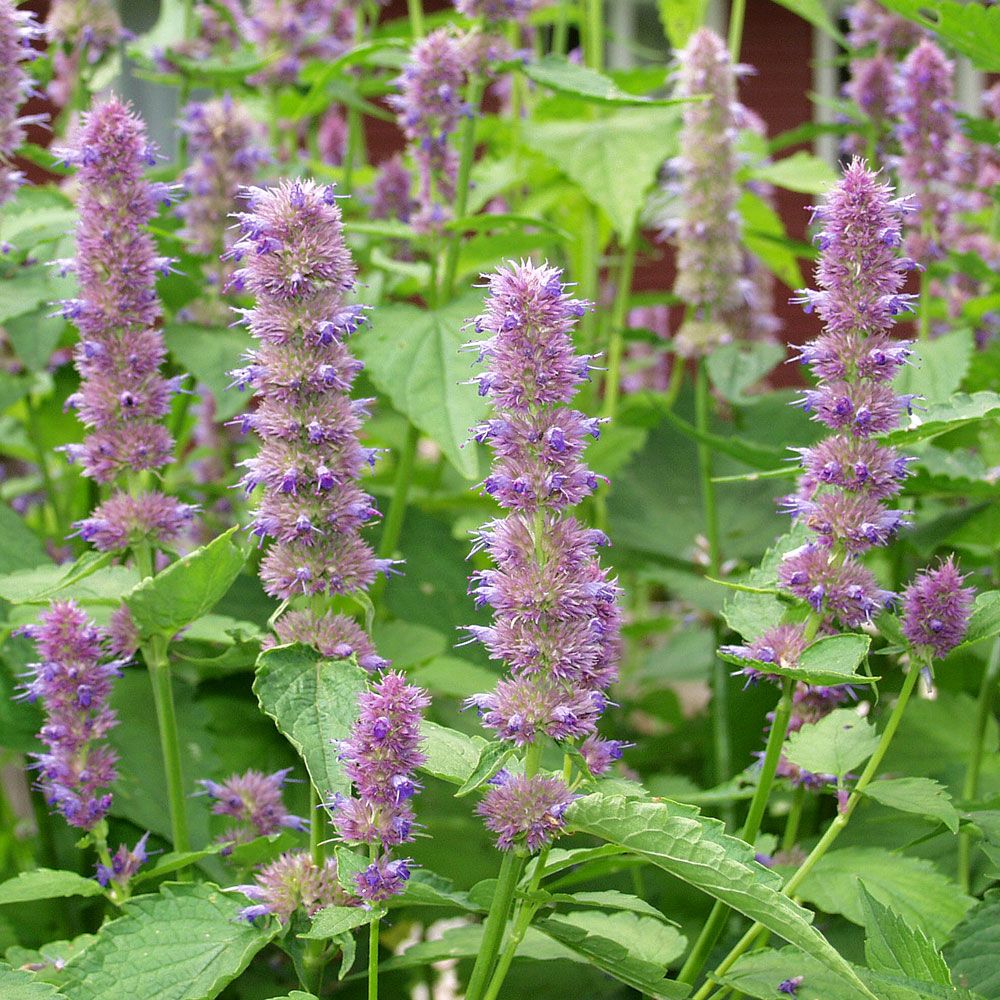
(709, 258)
(391, 192)
(380, 757)
(72, 681)
(124, 521)
(334, 636)
(80, 34)
(291, 883)
(17, 29)
(297, 266)
(124, 865)
(525, 812)
(254, 800)
(383, 879)
(781, 646)
(936, 609)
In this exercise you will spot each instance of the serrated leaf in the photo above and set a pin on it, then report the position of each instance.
(939, 418)
(680, 19)
(973, 29)
(834, 659)
(697, 850)
(736, 367)
(425, 888)
(451, 755)
(837, 744)
(590, 153)
(46, 883)
(938, 369)
(17, 985)
(893, 946)
(601, 939)
(416, 357)
(974, 952)
(923, 796)
(557, 73)
(760, 974)
(314, 702)
(185, 943)
(335, 920)
(984, 622)
(913, 887)
(105, 586)
(20, 547)
(816, 13)
(187, 589)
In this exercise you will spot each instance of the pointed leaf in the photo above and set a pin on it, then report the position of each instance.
(984, 622)
(834, 659)
(558, 73)
(17, 985)
(335, 920)
(46, 883)
(974, 952)
(923, 796)
(609, 899)
(837, 744)
(451, 755)
(314, 702)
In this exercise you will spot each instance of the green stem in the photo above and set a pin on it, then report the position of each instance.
(496, 920)
(468, 153)
(970, 788)
(832, 833)
(590, 269)
(593, 46)
(924, 308)
(737, 15)
(416, 12)
(794, 820)
(396, 514)
(315, 955)
(560, 32)
(616, 340)
(41, 460)
(373, 941)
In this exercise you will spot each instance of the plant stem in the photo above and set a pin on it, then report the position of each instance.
(794, 819)
(832, 833)
(41, 460)
(924, 308)
(315, 954)
(496, 920)
(392, 528)
(560, 32)
(416, 12)
(970, 788)
(589, 277)
(373, 941)
(616, 339)
(593, 46)
(737, 15)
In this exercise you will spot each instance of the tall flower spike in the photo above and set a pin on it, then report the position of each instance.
(848, 476)
(80, 34)
(556, 615)
(297, 266)
(709, 258)
(17, 29)
(294, 881)
(72, 682)
(430, 107)
(122, 398)
(936, 609)
(927, 128)
(253, 799)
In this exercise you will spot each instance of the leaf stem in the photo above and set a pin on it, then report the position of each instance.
(392, 528)
(970, 787)
(415, 8)
(737, 15)
(594, 39)
(314, 957)
(616, 338)
(373, 942)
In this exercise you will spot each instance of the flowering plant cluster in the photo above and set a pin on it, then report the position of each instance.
(448, 548)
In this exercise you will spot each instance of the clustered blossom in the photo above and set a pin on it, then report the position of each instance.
(331, 137)
(430, 107)
(380, 757)
(848, 477)
(556, 615)
(496, 12)
(81, 32)
(871, 25)
(253, 799)
(709, 258)
(926, 131)
(391, 192)
(293, 882)
(72, 682)
(124, 864)
(298, 268)
(17, 29)
(936, 609)
(122, 398)
(336, 637)
(525, 810)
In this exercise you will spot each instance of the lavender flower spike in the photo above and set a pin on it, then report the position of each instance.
(291, 883)
(17, 29)
(936, 609)
(122, 398)
(525, 811)
(556, 615)
(72, 681)
(709, 258)
(254, 800)
(297, 266)
(124, 864)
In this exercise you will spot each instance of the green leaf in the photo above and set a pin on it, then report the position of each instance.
(314, 702)
(30, 288)
(758, 975)
(680, 19)
(187, 589)
(407, 644)
(765, 237)
(590, 153)
(837, 744)
(210, 355)
(801, 172)
(697, 850)
(939, 418)
(938, 369)
(972, 29)
(492, 758)
(37, 214)
(17, 985)
(974, 952)
(834, 659)
(34, 336)
(816, 13)
(20, 547)
(736, 367)
(453, 676)
(893, 946)
(46, 883)
(334, 920)
(912, 887)
(425, 888)
(558, 73)
(923, 796)
(104, 585)
(451, 755)
(984, 622)
(415, 356)
(185, 943)
(620, 948)
(608, 899)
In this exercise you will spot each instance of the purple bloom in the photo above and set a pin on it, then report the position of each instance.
(791, 986)
(709, 258)
(17, 29)
(870, 24)
(124, 521)
(296, 264)
(254, 800)
(332, 137)
(380, 757)
(124, 865)
(927, 128)
(293, 882)
(497, 12)
(336, 637)
(600, 755)
(936, 609)
(391, 192)
(430, 107)
(123, 634)
(72, 681)
(782, 645)
(872, 87)
(80, 33)
(525, 811)
(383, 879)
